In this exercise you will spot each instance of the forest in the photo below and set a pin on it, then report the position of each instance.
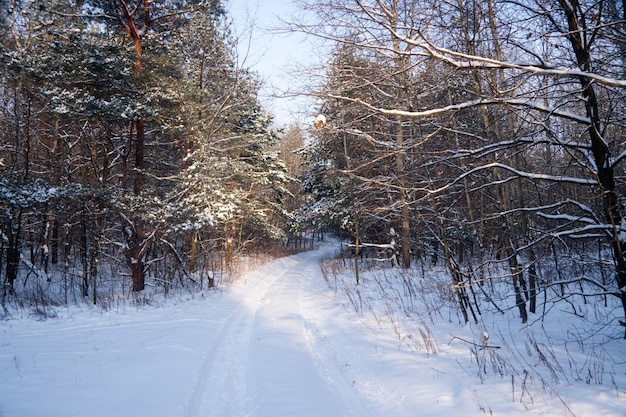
(487, 137)
(133, 148)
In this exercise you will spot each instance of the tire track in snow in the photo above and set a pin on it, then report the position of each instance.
(302, 382)
(332, 368)
(269, 359)
(220, 386)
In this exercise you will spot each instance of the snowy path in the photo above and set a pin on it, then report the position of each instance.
(254, 349)
(276, 343)
(290, 350)
(263, 361)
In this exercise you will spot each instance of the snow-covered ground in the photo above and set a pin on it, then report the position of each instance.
(280, 342)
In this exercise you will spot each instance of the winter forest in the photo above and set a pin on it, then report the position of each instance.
(481, 141)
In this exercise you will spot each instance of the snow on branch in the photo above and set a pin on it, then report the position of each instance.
(522, 174)
(605, 290)
(534, 176)
(469, 61)
(540, 211)
(618, 158)
(507, 144)
(468, 104)
(586, 232)
(567, 217)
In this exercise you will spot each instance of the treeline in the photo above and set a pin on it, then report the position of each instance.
(132, 146)
(487, 136)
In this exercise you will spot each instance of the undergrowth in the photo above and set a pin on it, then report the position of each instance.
(566, 340)
(40, 296)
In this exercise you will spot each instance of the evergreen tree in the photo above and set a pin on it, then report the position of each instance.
(142, 107)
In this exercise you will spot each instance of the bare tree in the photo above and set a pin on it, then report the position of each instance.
(542, 84)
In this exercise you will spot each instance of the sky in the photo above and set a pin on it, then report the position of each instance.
(273, 55)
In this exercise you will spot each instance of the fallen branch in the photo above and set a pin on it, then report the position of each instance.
(483, 346)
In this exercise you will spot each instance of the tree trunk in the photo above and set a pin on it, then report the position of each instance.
(402, 68)
(54, 244)
(599, 148)
(193, 237)
(93, 270)
(454, 272)
(137, 275)
(533, 281)
(84, 252)
(137, 250)
(356, 249)
(140, 137)
(13, 249)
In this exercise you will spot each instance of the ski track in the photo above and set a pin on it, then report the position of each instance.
(272, 325)
(219, 388)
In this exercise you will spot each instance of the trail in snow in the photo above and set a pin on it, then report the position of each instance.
(221, 387)
(276, 343)
(290, 350)
(263, 361)
(300, 375)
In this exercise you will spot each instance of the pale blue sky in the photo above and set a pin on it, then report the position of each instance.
(273, 55)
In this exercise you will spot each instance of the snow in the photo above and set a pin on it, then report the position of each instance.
(280, 342)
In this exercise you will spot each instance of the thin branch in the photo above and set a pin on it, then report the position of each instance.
(482, 346)
(468, 104)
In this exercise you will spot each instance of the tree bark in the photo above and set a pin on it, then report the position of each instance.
(402, 68)
(136, 249)
(599, 148)
(14, 232)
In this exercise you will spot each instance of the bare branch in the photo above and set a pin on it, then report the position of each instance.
(468, 104)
